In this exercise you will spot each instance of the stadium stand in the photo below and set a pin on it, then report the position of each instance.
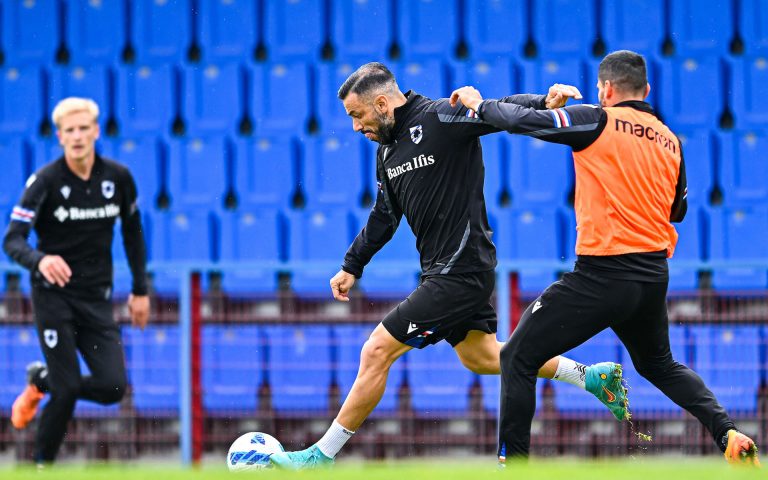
(252, 235)
(280, 98)
(743, 169)
(233, 365)
(228, 29)
(265, 172)
(425, 76)
(161, 31)
(427, 29)
(539, 172)
(701, 28)
(92, 82)
(683, 82)
(738, 234)
(438, 382)
(21, 100)
(15, 172)
(299, 368)
(146, 100)
(95, 32)
(362, 29)
(30, 32)
(748, 78)
(144, 157)
(494, 78)
(563, 35)
(620, 30)
(294, 30)
(324, 161)
(198, 172)
(495, 28)
(153, 362)
(753, 26)
(214, 96)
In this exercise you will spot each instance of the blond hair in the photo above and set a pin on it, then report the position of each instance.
(74, 104)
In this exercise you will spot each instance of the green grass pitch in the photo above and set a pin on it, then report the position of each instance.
(437, 469)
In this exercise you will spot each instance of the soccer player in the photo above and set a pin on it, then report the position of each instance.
(630, 186)
(72, 203)
(430, 169)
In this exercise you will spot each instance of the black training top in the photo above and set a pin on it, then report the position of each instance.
(432, 172)
(75, 218)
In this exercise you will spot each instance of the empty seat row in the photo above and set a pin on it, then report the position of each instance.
(298, 97)
(730, 360)
(153, 31)
(337, 170)
(300, 363)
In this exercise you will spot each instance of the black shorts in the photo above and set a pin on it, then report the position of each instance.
(444, 307)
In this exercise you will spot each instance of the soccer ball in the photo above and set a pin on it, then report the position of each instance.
(251, 451)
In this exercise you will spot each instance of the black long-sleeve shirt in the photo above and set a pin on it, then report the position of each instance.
(433, 173)
(75, 218)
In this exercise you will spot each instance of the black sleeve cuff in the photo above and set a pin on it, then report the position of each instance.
(352, 271)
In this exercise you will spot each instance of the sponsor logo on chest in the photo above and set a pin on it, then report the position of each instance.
(411, 165)
(109, 210)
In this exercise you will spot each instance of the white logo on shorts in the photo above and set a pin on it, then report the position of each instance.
(51, 338)
(536, 306)
(412, 327)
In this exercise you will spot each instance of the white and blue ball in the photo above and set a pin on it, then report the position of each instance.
(251, 451)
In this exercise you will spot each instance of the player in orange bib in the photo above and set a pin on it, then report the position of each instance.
(630, 186)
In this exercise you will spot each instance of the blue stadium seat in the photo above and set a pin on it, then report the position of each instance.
(495, 27)
(645, 400)
(621, 21)
(701, 28)
(438, 381)
(530, 234)
(213, 98)
(143, 157)
(322, 236)
(330, 76)
(603, 347)
(348, 341)
(18, 347)
(95, 31)
(569, 33)
(299, 367)
(682, 83)
(743, 169)
(280, 100)
(738, 234)
(161, 31)
(180, 235)
(21, 100)
(198, 172)
(265, 172)
(294, 30)
(153, 364)
(539, 75)
(426, 77)
(382, 280)
(227, 29)
(324, 183)
(145, 99)
(698, 148)
(494, 78)
(749, 76)
(728, 360)
(232, 368)
(30, 31)
(496, 160)
(539, 172)
(361, 28)
(426, 28)
(691, 246)
(753, 25)
(251, 236)
(14, 174)
(89, 82)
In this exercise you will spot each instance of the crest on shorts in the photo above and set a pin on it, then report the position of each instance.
(51, 337)
(108, 189)
(416, 134)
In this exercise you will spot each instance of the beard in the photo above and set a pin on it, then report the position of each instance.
(385, 129)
